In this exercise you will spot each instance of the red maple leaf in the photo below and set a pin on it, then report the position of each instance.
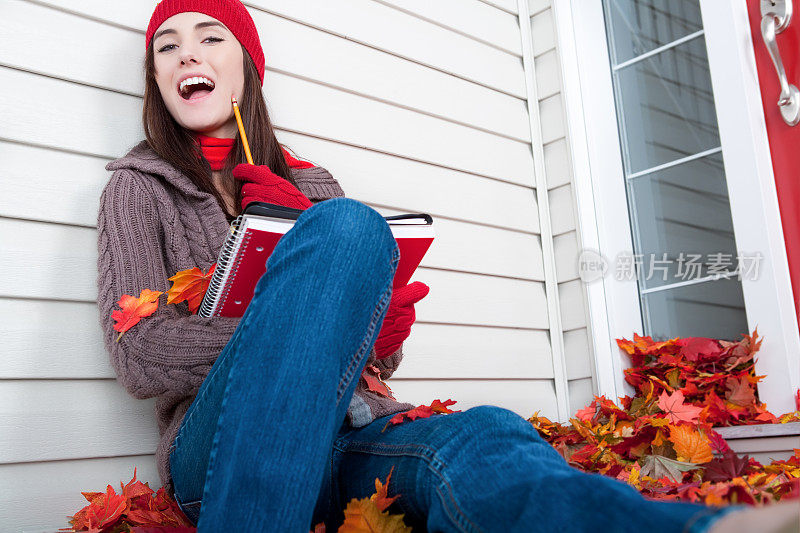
(744, 350)
(740, 392)
(137, 505)
(696, 348)
(422, 411)
(372, 377)
(135, 487)
(103, 511)
(727, 467)
(133, 309)
(584, 454)
(718, 442)
(676, 410)
(587, 413)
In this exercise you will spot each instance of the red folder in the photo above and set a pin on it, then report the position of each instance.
(254, 234)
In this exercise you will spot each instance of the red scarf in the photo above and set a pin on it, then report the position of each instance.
(216, 150)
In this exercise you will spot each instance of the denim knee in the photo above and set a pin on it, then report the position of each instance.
(491, 417)
(491, 428)
(353, 225)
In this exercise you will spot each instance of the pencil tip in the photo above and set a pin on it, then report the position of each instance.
(233, 100)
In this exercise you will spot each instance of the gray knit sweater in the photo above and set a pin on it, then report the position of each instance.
(153, 222)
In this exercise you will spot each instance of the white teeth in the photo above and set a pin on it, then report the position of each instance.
(194, 81)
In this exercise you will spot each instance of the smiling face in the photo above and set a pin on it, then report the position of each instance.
(201, 49)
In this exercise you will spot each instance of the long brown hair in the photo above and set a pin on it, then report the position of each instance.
(176, 145)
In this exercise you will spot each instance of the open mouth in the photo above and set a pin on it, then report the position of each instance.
(194, 88)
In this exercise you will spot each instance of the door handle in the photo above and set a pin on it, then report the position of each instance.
(776, 16)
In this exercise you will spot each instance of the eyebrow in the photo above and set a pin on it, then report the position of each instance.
(198, 26)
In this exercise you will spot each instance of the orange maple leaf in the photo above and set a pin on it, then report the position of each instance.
(676, 410)
(690, 445)
(381, 498)
(134, 309)
(190, 285)
(437, 406)
(369, 515)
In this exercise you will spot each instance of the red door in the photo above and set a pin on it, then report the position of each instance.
(784, 140)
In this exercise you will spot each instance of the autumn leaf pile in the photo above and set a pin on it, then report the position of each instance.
(716, 374)
(662, 441)
(136, 505)
(138, 509)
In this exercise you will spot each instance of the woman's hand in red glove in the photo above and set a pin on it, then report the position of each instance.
(399, 317)
(263, 185)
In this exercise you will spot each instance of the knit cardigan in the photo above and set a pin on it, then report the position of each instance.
(153, 221)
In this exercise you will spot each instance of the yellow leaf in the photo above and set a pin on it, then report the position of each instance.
(633, 478)
(659, 422)
(363, 516)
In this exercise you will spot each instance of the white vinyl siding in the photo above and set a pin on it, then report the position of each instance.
(566, 239)
(435, 123)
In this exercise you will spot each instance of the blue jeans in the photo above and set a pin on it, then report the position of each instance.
(265, 446)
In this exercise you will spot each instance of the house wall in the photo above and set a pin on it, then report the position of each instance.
(560, 190)
(435, 123)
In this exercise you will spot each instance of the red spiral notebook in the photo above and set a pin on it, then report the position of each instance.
(254, 234)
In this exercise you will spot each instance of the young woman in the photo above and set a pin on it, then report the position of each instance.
(264, 419)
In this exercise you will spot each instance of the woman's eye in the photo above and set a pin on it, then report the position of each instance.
(168, 47)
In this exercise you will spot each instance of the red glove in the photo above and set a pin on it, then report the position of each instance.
(399, 317)
(263, 185)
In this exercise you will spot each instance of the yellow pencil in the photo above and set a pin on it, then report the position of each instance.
(241, 129)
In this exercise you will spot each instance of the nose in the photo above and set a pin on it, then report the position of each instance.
(188, 56)
(188, 59)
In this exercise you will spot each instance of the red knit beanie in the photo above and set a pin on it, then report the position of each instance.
(232, 13)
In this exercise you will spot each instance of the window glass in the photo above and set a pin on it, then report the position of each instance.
(685, 256)
(638, 27)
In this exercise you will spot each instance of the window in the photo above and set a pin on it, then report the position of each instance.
(684, 247)
(663, 161)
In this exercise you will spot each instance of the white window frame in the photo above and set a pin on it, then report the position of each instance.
(614, 306)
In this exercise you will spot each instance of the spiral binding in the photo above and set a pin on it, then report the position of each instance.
(213, 298)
